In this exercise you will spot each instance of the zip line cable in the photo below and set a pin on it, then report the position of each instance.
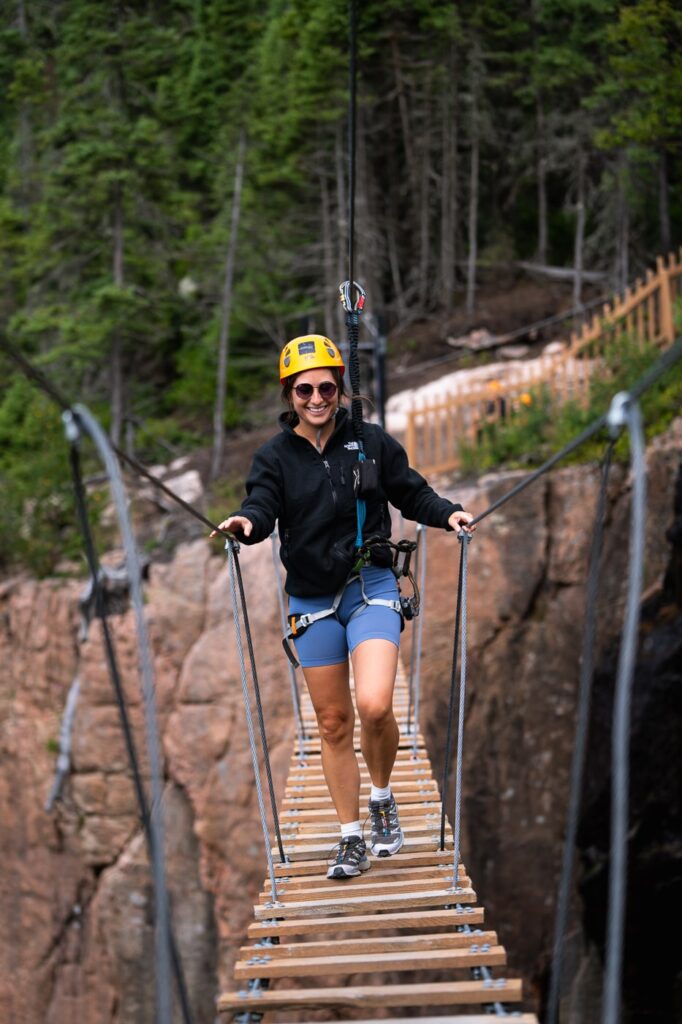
(86, 422)
(115, 676)
(580, 742)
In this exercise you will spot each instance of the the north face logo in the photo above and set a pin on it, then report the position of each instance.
(352, 446)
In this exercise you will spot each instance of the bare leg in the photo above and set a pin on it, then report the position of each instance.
(330, 694)
(375, 663)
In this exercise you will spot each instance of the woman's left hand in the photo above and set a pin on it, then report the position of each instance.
(459, 521)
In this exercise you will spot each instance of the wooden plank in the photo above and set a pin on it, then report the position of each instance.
(409, 785)
(330, 837)
(305, 803)
(371, 963)
(311, 867)
(375, 944)
(398, 872)
(469, 1018)
(356, 886)
(419, 843)
(360, 904)
(368, 922)
(444, 993)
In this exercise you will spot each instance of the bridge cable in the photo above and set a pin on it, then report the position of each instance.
(451, 703)
(231, 547)
(580, 741)
(624, 411)
(465, 540)
(295, 695)
(81, 419)
(234, 549)
(417, 642)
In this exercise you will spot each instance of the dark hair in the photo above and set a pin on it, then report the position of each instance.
(288, 387)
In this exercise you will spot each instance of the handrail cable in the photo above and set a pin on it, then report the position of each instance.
(464, 539)
(295, 695)
(259, 704)
(580, 741)
(451, 702)
(418, 641)
(232, 562)
(81, 419)
(115, 676)
(624, 412)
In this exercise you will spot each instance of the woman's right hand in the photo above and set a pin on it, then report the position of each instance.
(233, 524)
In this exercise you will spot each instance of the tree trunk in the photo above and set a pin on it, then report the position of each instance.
(330, 293)
(404, 112)
(579, 243)
(664, 203)
(448, 194)
(622, 274)
(116, 357)
(25, 132)
(424, 201)
(342, 221)
(542, 184)
(473, 184)
(225, 313)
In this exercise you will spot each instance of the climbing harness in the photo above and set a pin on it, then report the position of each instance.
(406, 606)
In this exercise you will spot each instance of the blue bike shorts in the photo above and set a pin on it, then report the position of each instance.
(329, 641)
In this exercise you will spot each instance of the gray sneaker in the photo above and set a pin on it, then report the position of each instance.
(386, 835)
(351, 858)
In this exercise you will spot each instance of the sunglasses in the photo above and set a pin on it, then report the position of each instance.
(327, 389)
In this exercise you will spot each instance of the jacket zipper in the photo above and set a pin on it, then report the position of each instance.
(331, 481)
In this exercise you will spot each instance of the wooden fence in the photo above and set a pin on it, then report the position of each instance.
(436, 430)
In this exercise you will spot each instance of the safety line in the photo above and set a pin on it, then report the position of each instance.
(152, 822)
(625, 412)
(352, 106)
(418, 641)
(580, 742)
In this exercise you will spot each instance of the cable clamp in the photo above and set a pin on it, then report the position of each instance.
(352, 304)
(616, 418)
(463, 535)
(232, 545)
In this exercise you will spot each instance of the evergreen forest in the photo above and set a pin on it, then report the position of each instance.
(174, 191)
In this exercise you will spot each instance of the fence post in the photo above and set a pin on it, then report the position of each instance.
(411, 437)
(666, 304)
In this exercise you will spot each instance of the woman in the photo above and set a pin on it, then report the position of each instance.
(303, 478)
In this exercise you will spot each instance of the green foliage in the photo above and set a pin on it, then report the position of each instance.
(530, 435)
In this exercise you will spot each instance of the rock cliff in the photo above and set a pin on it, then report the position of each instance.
(74, 884)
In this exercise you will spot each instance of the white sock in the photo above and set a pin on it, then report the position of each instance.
(379, 793)
(352, 828)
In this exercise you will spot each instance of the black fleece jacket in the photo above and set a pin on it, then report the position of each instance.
(312, 497)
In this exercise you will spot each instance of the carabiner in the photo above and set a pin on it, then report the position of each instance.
(346, 297)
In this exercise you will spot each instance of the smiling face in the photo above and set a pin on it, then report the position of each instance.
(314, 411)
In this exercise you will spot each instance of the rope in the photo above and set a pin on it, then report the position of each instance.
(259, 708)
(580, 744)
(464, 539)
(150, 822)
(295, 696)
(451, 703)
(624, 411)
(232, 563)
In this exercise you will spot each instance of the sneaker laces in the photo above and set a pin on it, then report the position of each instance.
(380, 818)
(342, 848)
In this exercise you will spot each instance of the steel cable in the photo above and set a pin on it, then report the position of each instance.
(259, 706)
(232, 562)
(625, 412)
(86, 422)
(464, 539)
(451, 702)
(295, 695)
(580, 743)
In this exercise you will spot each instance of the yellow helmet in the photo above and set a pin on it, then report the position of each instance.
(308, 352)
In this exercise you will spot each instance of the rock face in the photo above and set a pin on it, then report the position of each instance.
(75, 887)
